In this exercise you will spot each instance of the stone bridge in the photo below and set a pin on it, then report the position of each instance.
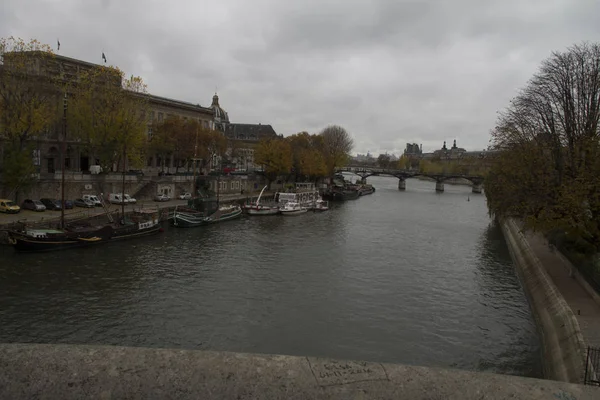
(402, 175)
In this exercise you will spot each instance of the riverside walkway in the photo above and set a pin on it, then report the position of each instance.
(583, 304)
(91, 372)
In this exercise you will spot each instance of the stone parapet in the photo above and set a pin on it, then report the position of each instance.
(90, 372)
(563, 345)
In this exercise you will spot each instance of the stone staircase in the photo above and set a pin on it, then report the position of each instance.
(140, 186)
(145, 190)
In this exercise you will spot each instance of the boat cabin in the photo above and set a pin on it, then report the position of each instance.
(305, 193)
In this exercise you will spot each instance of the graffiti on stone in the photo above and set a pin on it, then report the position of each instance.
(328, 372)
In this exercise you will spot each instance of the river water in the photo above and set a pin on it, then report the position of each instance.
(413, 277)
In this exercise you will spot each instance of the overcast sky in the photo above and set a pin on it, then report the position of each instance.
(389, 71)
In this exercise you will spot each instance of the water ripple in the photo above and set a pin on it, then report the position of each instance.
(413, 277)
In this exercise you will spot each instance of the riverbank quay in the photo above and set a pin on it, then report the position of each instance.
(77, 371)
(52, 218)
(563, 345)
(579, 295)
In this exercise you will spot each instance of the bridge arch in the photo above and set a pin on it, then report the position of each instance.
(402, 175)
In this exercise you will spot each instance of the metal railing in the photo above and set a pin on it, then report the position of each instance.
(592, 367)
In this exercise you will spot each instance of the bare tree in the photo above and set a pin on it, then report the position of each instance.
(548, 136)
(336, 147)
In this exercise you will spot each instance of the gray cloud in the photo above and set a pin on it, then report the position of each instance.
(389, 71)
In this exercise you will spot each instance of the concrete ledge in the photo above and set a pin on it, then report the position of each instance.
(75, 372)
(563, 345)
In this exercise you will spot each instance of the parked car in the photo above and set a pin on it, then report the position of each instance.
(34, 205)
(185, 196)
(68, 204)
(129, 199)
(83, 203)
(161, 197)
(115, 198)
(93, 198)
(51, 204)
(9, 207)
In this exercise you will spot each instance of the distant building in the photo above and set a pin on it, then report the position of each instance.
(413, 149)
(221, 118)
(449, 154)
(243, 137)
(364, 159)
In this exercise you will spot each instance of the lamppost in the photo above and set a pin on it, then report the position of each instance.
(63, 150)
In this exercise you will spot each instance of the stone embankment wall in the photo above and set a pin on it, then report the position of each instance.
(90, 372)
(562, 342)
(138, 186)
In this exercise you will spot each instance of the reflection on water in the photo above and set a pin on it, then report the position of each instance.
(413, 277)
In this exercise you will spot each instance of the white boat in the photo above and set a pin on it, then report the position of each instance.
(304, 193)
(320, 205)
(204, 211)
(292, 208)
(261, 209)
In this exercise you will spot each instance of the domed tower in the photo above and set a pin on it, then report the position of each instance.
(221, 117)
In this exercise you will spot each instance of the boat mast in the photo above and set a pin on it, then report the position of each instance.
(194, 194)
(261, 192)
(219, 180)
(63, 150)
(123, 183)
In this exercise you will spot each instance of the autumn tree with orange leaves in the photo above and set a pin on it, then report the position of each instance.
(107, 112)
(29, 106)
(307, 158)
(275, 157)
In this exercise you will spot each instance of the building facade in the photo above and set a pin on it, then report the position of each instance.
(413, 149)
(242, 138)
(161, 108)
(47, 144)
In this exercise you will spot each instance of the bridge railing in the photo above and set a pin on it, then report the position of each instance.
(406, 173)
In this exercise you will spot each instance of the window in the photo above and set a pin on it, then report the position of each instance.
(150, 132)
(205, 124)
(151, 116)
(232, 185)
(160, 117)
(149, 161)
(237, 184)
